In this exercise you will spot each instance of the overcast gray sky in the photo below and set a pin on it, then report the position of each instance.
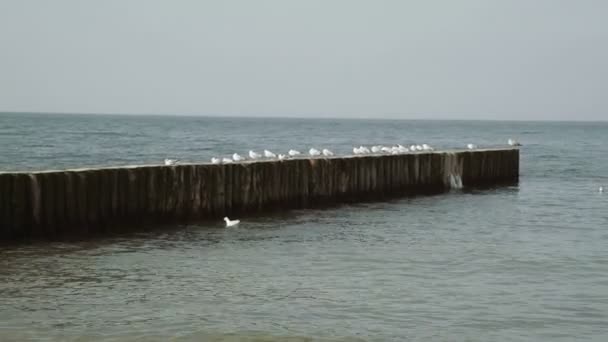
(468, 59)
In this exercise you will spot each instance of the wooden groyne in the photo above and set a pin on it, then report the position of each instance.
(56, 203)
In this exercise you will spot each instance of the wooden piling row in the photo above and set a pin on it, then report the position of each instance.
(55, 203)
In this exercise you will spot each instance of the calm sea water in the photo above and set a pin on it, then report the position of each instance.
(523, 263)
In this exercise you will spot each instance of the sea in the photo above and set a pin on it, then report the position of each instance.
(517, 263)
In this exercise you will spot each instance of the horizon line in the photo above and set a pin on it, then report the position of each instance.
(317, 117)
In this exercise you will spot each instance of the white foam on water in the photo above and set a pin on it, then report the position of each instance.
(452, 177)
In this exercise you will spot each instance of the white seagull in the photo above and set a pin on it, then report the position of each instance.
(418, 147)
(282, 157)
(254, 155)
(231, 223)
(402, 149)
(413, 148)
(471, 146)
(314, 152)
(601, 189)
(376, 149)
(385, 149)
(227, 160)
(426, 147)
(512, 142)
(364, 150)
(356, 150)
(215, 160)
(170, 162)
(236, 157)
(327, 152)
(293, 153)
(269, 154)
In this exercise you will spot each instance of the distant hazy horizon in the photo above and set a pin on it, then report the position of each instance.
(422, 60)
(328, 117)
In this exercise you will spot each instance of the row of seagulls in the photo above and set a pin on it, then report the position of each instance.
(397, 149)
(313, 152)
(270, 155)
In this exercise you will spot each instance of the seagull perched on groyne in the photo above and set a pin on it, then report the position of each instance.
(282, 157)
(471, 146)
(254, 155)
(215, 160)
(512, 142)
(269, 154)
(376, 149)
(169, 162)
(327, 152)
(227, 160)
(236, 157)
(293, 153)
(231, 223)
(314, 152)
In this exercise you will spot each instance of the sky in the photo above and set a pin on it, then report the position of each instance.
(424, 59)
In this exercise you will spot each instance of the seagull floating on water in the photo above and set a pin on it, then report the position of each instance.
(227, 160)
(215, 160)
(512, 142)
(601, 189)
(327, 152)
(471, 146)
(314, 152)
(231, 223)
(293, 153)
(170, 161)
(254, 155)
(269, 154)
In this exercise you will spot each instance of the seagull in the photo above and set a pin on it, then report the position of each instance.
(293, 153)
(269, 154)
(418, 147)
(413, 148)
(254, 155)
(471, 146)
(314, 152)
(236, 157)
(385, 149)
(215, 160)
(376, 149)
(282, 157)
(226, 160)
(170, 161)
(601, 189)
(356, 150)
(231, 223)
(512, 142)
(327, 152)
(402, 149)
(426, 147)
(364, 150)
